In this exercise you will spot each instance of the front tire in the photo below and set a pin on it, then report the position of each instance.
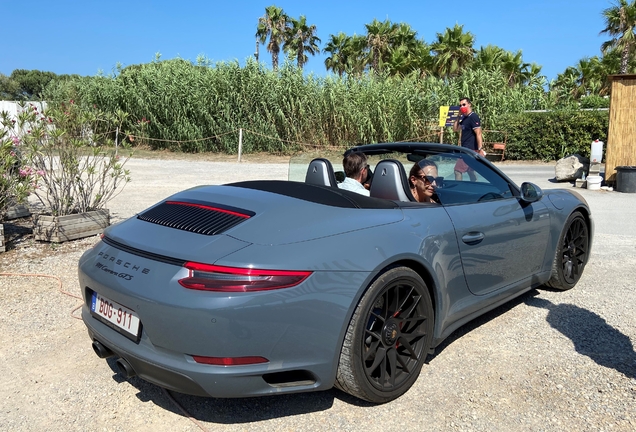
(571, 254)
(388, 338)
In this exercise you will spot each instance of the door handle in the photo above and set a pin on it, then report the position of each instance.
(473, 237)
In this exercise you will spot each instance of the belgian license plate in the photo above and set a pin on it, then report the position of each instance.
(118, 316)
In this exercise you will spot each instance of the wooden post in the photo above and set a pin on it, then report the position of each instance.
(240, 146)
(441, 135)
(116, 139)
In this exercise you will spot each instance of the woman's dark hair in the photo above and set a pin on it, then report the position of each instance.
(417, 167)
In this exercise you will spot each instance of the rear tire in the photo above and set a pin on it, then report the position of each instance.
(571, 254)
(388, 338)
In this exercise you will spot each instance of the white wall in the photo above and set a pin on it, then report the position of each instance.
(13, 108)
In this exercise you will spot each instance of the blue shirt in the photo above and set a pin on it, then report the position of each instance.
(468, 124)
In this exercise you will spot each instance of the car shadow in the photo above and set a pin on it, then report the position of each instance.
(591, 335)
(481, 320)
(589, 332)
(236, 410)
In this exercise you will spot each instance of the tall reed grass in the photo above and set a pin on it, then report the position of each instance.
(195, 108)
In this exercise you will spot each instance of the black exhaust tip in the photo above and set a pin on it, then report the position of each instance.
(101, 350)
(125, 368)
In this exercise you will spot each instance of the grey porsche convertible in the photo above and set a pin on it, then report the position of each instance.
(269, 287)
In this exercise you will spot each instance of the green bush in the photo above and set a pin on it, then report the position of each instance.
(551, 135)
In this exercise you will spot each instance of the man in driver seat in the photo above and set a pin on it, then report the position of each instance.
(355, 168)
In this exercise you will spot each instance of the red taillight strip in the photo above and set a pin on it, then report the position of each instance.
(208, 277)
(204, 207)
(243, 271)
(230, 361)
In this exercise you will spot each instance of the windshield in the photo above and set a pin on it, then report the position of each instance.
(298, 164)
(461, 178)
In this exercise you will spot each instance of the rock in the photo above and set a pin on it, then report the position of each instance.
(571, 167)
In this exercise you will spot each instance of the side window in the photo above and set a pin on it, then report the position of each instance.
(467, 181)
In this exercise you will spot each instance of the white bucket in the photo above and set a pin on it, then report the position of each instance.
(594, 182)
(596, 155)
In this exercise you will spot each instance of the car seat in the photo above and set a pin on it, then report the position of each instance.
(320, 172)
(390, 182)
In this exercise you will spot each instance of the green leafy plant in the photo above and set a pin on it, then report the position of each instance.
(70, 147)
(17, 181)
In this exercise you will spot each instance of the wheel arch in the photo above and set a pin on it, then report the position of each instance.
(587, 215)
(428, 276)
(423, 269)
(383, 278)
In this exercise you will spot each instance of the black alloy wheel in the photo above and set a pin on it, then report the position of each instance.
(572, 253)
(388, 338)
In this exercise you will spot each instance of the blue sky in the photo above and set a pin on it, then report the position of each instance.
(85, 37)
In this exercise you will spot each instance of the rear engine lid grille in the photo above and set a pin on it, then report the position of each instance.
(195, 216)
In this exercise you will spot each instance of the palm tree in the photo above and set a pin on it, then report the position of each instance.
(300, 39)
(348, 54)
(337, 48)
(387, 47)
(532, 76)
(488, 57)
(273, 25)
(620, 23)
(408, 53)
(588, 77)
(611, 61)
(566, 86)
(514, 67)
(357, 55)
(379, 38)
(591, 76)
(453, 51)
(407, 59)
(405, 36)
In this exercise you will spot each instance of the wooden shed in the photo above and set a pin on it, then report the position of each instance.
(621, 137)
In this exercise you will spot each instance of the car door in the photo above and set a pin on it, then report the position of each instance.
(501, 239)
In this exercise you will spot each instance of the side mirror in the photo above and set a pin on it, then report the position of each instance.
(530, 192)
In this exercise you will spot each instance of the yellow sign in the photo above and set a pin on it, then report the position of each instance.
(448, 115)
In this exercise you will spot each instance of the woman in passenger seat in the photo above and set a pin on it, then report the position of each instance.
(422, 181)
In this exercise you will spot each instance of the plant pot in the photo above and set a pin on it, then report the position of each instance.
(70, 227)
(17, 211)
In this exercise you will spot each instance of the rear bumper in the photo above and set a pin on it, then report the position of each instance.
(178, 372)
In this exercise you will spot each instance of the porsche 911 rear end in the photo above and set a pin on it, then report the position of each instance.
(159, 299)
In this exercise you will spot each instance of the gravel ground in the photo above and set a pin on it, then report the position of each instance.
(548, 361)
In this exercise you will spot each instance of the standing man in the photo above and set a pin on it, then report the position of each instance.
(470, 125)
